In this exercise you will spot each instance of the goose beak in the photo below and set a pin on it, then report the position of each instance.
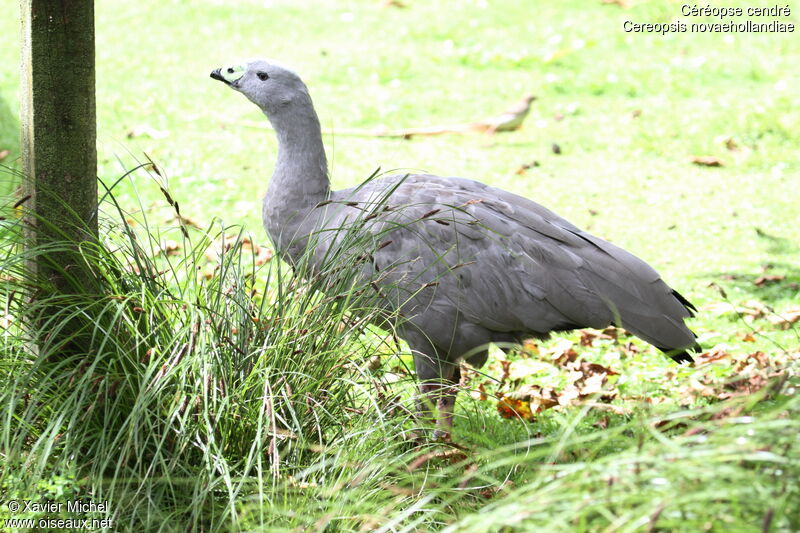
(217, 75)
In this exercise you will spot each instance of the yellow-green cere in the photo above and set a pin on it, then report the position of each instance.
(233, 72)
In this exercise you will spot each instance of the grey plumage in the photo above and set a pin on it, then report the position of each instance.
(465, 264)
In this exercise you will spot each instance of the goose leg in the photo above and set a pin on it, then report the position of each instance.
(437, 388)
(446, 405)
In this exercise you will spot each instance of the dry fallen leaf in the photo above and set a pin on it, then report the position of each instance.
(589, 335)
(506, 366)
(746, 336)
(537, 397)
(4, 154)
(768, 278)
(613, 332)
(529, 347)
(261, 254)
(562, 352)
(785, 319)
(479, 393)
(717, 353)
(525, 166)
(707, 161)
(629, 349)
(753, 309)
(761, 359)
(168, 247)
(509, 407)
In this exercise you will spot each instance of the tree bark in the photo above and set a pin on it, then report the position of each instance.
(59, 128)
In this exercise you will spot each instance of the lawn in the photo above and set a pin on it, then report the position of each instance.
(662, 448)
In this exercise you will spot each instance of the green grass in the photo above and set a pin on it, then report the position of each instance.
(628, 111)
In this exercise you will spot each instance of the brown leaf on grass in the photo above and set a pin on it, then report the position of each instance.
(629, 349)
(587, 380)
(4, 154)
(746, 336)
(594, 368)
(188, 221)
(505, 364)
(538, 398)
(768, 278)
(717, 353)
(752, 309)
(731, 144)
(695, 388)
(744, 386)
(508, 407)
(479, 393)
(602, 423)
(707, 161)
(785, 319)
(612, 332)
(755, 361)
(594, 386)
(523, 168)
(588, 336)
(664, 424)
(529, 347)
(373, 363)
(261, 254)
(168, 248)
(562, 352)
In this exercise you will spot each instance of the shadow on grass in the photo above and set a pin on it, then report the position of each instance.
(776, 280)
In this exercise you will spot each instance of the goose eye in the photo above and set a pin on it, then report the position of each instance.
(263, 76)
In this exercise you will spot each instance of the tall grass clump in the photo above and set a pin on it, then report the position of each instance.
(176, 375)
(166, 383)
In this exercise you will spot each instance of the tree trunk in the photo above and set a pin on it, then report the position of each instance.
(59, 129)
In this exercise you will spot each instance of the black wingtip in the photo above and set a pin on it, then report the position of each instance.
(686, 303)
(682, 356)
